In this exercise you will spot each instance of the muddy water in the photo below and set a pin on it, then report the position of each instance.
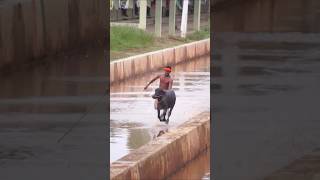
(195, 169)
(40, 104)
(133, 119)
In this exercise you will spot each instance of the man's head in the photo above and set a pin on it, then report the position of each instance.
(167, 70)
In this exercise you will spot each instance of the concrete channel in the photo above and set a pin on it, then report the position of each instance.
(164, 155)
(134, 126)
(140, 64)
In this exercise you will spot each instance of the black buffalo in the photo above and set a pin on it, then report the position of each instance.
(167, 100)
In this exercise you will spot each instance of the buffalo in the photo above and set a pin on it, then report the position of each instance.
(167, 100)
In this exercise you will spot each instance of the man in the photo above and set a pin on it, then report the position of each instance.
(165, 84)
(124, 7)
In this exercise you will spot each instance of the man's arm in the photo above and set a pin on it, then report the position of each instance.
(157, 77)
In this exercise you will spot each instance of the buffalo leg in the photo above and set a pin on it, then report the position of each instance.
(169, 114)
(159, 114)
(163, 116)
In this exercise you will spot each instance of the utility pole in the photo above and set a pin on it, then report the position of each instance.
(143, 14)
(184, 18)
(172, 17)
(158, 18)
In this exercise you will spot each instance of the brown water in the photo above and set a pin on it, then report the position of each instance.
(133, 119)
(195, 169)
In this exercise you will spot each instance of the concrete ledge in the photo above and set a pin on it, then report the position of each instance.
(160, 158)
(136, 25)
(125, 68)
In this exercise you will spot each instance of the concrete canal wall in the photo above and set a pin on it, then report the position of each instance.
(32, 29)
(167, 154)
(266, 15)
(136, 65)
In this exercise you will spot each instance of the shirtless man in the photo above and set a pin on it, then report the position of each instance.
(165, 84)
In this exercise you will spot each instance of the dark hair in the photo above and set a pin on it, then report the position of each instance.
(168, 67)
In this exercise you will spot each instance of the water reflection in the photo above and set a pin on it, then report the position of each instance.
(130, 105)
(137, 138)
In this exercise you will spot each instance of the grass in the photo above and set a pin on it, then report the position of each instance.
(129, 41)
(199, 35)
(124, 38)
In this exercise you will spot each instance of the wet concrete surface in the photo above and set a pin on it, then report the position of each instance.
(39, 105)
(133, 119)
(265, 102)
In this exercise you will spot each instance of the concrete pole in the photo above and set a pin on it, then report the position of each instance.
(158, 18)
(196, 15)
(131, 7)
(116, 9)
(172, 17)
(116, 4)
(143, 14)
(184, 18)
(130, 4)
